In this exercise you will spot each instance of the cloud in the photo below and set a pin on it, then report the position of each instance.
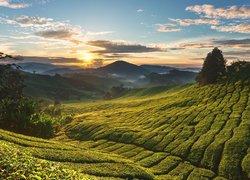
(238, 53)
(188, 22)
(62, 34)
(9, 4)
(233, 41)
(140, 10)
(47, 28)
(167, 28)
(210, 11)
(120, 47)
(115, 56)
(240, 28)
(197, 46)
(35, 22)
(99, 33)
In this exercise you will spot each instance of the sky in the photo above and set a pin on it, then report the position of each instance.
(98, 32)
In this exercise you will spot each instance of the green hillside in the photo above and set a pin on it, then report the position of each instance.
(186, 132)
(189, 132)
(59, 87)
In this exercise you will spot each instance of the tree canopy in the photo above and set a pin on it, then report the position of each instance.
(214, 68)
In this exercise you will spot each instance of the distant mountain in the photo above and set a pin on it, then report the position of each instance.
(122, 68)
(36, 67)
(157, 68)
(63, 70)
(191, 69)
(173, 77)
(59, 87)
(49, 69)
(103, 83)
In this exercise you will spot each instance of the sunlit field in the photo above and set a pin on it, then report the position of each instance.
(186, 132)
(124, 89)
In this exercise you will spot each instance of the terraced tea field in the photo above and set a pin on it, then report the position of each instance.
(187, 132)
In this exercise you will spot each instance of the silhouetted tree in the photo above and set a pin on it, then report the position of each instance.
(213, 69)
(22, 114)
(11, 82)
(3, 56)
(11, 94)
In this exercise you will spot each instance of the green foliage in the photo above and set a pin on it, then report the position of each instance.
(44, 125)
(115, 92)
(188, 132)
(214, 68)
(78, 158)
(11, 83)
(15, 115)
(201, 174)
(239, 69)
(19, 165)
(194, 126)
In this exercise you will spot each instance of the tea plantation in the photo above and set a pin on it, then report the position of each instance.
(188, 132)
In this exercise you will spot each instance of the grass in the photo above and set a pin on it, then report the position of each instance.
(187, 132)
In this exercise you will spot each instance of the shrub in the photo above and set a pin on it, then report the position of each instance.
(18, 165)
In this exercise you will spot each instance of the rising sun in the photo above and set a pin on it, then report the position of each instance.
(85, 56)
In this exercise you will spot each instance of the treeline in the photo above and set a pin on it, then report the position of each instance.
(22, 114)
(215, 69)
(116, 92)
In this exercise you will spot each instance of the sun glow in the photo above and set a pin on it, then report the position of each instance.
(85, 56)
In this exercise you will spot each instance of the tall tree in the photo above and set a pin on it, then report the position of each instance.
(11, 81)
(213, 69)
(11, 93)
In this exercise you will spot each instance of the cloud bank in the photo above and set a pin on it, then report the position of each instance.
(47, 28)
(240, 28)
(167, 28)
(210, 11)
(188, 22)
(121, 47)
(9, 4)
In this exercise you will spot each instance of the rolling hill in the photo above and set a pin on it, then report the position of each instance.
(185, 132)
(123, 68)
(59, 87)
(157, 68)
(173, 77)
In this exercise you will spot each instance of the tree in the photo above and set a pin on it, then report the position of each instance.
(3, 56)
(11, 82)
(214, 68)
(11, 93)
(22, 114)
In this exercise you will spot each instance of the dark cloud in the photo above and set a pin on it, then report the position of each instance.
(120, 47)
(62, 34)
(115, 56)
(176, 48)
(237, 53)
(49, 60)
(232, 41)
(197, 46)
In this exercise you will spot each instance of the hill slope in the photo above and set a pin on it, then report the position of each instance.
(59, 87)
(187, 132)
